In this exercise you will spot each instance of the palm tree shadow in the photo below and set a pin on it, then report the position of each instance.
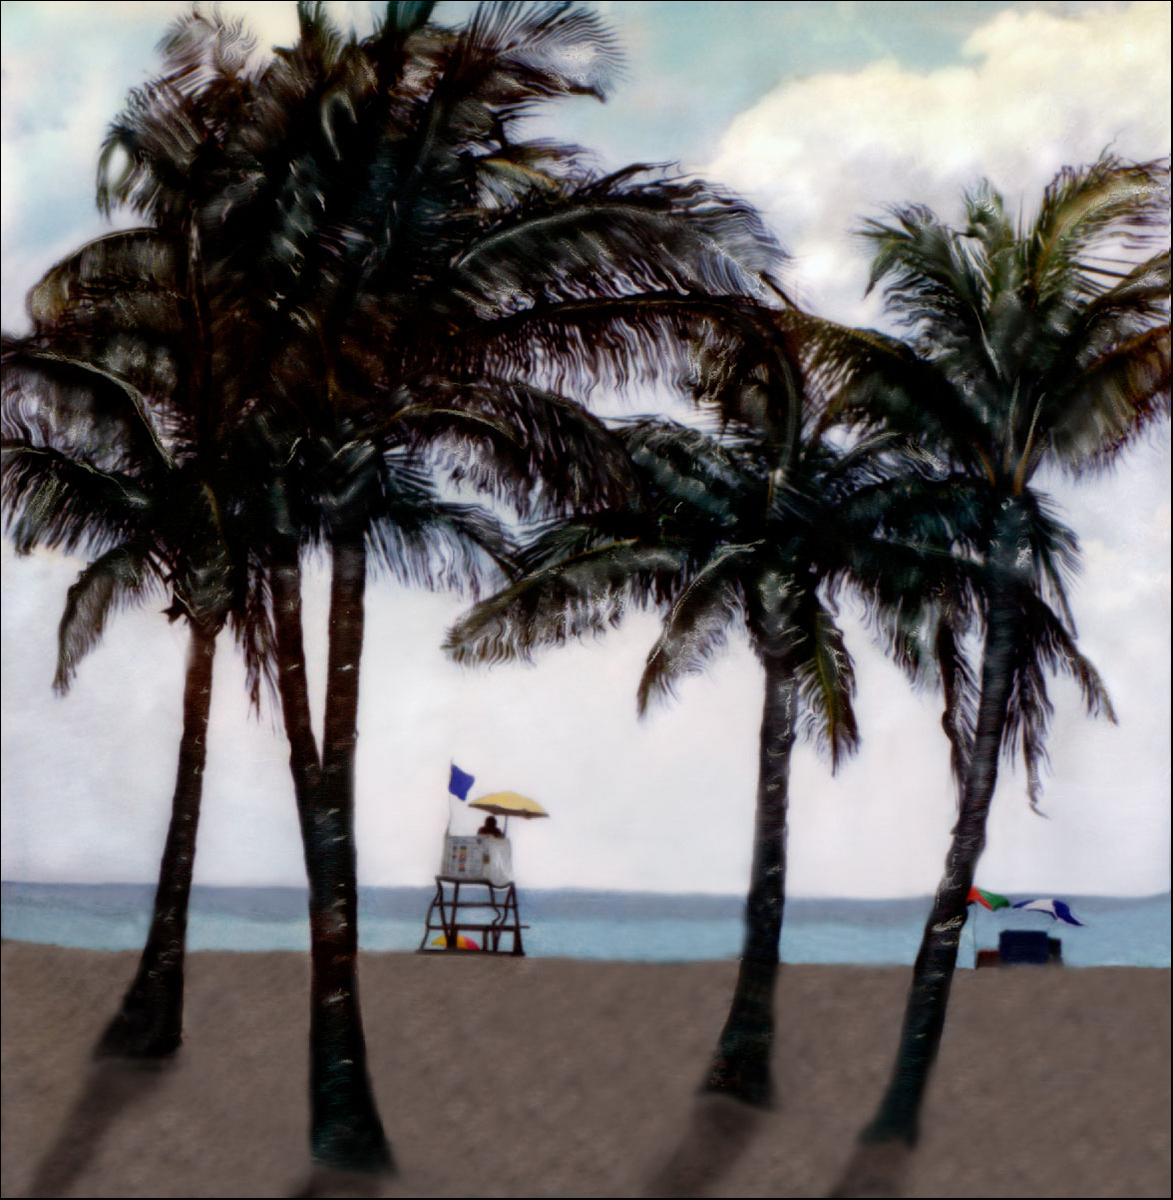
(716, 1135)
(323, 1182)
(113, 1087)
(875, 1171)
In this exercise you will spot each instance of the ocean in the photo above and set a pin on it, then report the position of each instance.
(632, 926)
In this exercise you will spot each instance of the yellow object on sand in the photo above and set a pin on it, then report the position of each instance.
(510, 804)
(462, 942)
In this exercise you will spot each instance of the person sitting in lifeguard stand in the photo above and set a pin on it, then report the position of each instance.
(489, 828)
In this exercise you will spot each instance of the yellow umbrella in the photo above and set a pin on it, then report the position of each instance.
(510, 804)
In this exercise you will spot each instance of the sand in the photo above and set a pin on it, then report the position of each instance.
(550, 1077)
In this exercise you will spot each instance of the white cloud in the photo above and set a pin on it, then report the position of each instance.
(1042, 90)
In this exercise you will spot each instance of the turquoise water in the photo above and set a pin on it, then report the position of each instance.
(581, 924)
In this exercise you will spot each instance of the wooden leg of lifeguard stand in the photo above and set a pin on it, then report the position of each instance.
(428, 927)
(437, 905)
(450, 924)
(518, 949)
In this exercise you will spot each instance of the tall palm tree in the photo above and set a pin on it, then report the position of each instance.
(1031, 346)
(112, 445)
(761, 531)
(119, 382)
(439, 238)
(85, 468)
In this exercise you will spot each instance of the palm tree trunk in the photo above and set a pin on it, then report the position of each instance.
(741, 1062)
(898, 1118)
(345, 1130)
(150, 1022)
(293, 686)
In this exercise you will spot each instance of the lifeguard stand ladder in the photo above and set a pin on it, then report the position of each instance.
(448, 914)
(483, 867)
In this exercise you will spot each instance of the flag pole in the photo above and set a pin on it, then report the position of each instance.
(448, 831)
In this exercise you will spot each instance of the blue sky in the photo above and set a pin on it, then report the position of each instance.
(822, 114)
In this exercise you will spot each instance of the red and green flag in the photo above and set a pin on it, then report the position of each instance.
(990, 900)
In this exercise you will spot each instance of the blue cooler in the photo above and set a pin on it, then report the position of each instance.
(1023, 946)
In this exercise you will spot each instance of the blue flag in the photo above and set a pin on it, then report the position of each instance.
(1055, 908)
(459, 783)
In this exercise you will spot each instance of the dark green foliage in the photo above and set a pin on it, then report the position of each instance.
(1036, 345)
(758, 530)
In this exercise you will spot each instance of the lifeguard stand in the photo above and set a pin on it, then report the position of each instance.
(483, 868)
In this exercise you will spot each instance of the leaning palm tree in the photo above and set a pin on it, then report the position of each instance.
(757, 531)
(1042, 345)
(114, 442)
(85, 468)
(89, 466)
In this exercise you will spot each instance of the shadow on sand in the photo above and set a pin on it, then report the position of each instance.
(875, 1171)
(112, 1088)
(322, 1182)
(718, 1131)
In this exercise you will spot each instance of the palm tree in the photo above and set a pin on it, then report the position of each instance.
(84, 468)
(112, 446)
(153, 525)
(760, 530)
(1034, 346)
(114, 442)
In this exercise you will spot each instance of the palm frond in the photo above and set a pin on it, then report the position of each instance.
(988, 222)
(206, 53)
(576, 346)
(748, 371)
(519, 52)
(1082, 207)
(875, 382)
(688, 467)
(1053, 553)
(402, 18)
(616, 236)
(55, 501)
(960, 687)
(529, 445)
(57, 399)
(253, 628)
(161, 151)
(1131, 306)
(580, 596)
(120, 576)
(131, 278)
(506, 175)
(556, 539)
(1111, 403)
(936, 287)
(697, 624)
(439, 545)
(1044, 644)
(826, 683)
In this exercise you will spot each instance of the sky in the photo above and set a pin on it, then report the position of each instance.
(822, 114)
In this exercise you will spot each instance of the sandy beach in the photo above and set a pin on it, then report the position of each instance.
(550, 1077)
